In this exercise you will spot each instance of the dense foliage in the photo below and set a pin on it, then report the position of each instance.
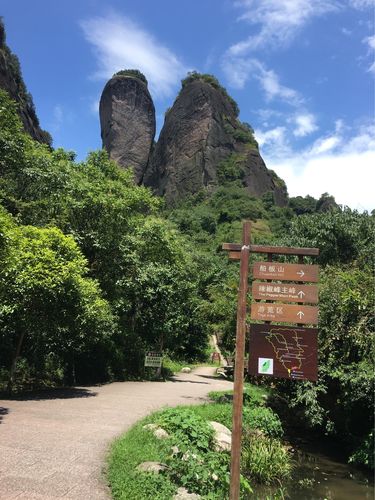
(94, 272)
(340, 404)
(142, 267)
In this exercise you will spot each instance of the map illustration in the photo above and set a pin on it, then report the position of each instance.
(291, 350)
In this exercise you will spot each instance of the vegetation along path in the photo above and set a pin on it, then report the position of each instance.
(53, 445)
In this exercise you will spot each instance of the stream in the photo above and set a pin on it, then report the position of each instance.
(319, 475)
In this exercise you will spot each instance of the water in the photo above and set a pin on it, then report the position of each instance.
(320, 476)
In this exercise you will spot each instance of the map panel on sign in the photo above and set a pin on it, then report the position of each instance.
(285, 292)
(285, 272)
(285, 313)
(285, 352)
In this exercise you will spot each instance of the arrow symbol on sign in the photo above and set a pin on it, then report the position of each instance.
(300, 314)
(301, 273)
(301, 294)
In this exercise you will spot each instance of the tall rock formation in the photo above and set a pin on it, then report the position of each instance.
(202, 136)
(11, 80)
(127, 119)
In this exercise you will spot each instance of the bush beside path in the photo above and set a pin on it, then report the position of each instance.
(54, 444)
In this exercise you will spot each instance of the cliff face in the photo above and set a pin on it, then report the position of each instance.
(11, 80)
(202, 130)
(127, 119)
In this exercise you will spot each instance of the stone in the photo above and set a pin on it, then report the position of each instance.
(154, 467)
(186, 369)
(127, 121)
(157, 431)
(223, 442)
(220, 428)
(183, 494)
(161, 434)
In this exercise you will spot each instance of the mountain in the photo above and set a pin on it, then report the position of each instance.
(202, 140)
(11, 80)
(127, 120)
(201, 137)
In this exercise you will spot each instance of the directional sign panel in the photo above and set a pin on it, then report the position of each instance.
(285, 313)
(285, 272)
(286, 292)
(285, 352)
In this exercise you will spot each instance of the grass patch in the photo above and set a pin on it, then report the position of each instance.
(127, 452)
(264, 460)
(196, 465)
(253, 395)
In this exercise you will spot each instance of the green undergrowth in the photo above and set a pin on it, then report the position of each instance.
(195, 464)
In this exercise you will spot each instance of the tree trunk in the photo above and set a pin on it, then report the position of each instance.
(14, 363)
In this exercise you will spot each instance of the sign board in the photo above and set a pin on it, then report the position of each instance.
(285, 292)
(285, 272)
(284, 352)
(153, 359)
(285, 313)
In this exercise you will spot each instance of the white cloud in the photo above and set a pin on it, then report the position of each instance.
(94, 107)
(119, 44)
(279, 20)
(305, 124)
(340, 166)
(239, 70)
(274, 138)
(346, 32)
(370, 40)
(361, 4)
(58, 117)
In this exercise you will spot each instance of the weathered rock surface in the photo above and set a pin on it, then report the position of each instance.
(183, 494)
(222, 437)
(154, 467)
(11, 80)
(200, 131)
(157, 431)
(220, 428)
(127, 119)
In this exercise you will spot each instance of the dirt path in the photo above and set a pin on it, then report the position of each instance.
(53, 445)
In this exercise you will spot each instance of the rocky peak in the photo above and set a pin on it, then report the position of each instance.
(127, 119)
(201, 131)
(11, 80)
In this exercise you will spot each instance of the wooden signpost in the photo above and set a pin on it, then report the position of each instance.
(274, 350)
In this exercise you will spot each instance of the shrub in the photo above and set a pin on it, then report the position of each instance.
(187, 428)
(264, 460)
(132, 72)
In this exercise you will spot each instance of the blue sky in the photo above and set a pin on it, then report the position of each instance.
(301, 71)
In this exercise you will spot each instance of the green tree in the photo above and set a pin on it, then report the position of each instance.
(48, 305)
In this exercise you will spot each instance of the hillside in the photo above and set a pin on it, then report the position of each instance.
(11, 80)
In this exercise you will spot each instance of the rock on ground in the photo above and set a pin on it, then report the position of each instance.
(183, 494)
(154, 467)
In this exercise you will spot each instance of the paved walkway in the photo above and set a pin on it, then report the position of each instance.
(54, 445)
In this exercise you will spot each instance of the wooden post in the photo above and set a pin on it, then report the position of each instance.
(239, 364)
